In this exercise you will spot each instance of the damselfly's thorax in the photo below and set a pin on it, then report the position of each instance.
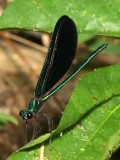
(34, 107)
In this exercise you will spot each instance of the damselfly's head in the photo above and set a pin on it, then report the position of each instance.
(34, 107)
(26, 115)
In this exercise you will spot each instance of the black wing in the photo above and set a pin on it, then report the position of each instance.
(60, 55)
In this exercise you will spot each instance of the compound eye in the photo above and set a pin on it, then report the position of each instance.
(29, 115)
(20, 113)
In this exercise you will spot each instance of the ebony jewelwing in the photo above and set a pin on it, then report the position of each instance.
(58, 60)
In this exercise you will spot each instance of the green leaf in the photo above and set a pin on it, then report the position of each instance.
(91, 17)
(112, 49)
(90, 124)
(85, 37)
(4, 118)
